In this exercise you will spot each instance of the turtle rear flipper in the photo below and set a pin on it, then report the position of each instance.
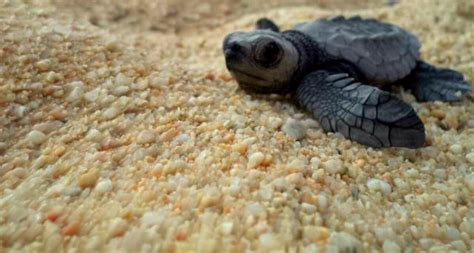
(360, 112)
(430, 83)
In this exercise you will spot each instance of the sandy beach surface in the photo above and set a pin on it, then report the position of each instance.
(122, 131)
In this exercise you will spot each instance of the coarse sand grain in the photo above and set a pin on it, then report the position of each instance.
(122, 131)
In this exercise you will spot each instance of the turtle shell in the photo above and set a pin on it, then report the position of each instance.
(383, 52)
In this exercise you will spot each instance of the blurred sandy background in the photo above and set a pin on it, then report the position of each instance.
(122, 131)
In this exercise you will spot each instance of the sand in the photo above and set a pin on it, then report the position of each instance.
(122, 131)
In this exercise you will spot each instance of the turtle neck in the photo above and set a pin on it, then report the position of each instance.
(311, 56)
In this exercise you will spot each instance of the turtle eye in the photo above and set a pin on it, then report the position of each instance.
(269, 54)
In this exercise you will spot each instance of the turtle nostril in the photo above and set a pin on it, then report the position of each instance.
(235, 47)
(233, 50)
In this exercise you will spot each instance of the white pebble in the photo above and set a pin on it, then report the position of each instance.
(254, 209)
(161, 80)
(308, 208)
(16, 214)
(266, 192)
(255, 159)
(345, 242)
(334, 166)
(456, 149)
(412, 172)
(117, 227)
(459, 245)
(467, 226)
(104, 186)
(426, 243)
(93, 244)
(180, 139)
(175, 166)
(53, 77)
(440, 173)
(19, 110)
(134, 240)
(453, 233)
(379, 185)
(43, 65)
(383, 233)
(75, 95)
(400, 183)
(274, 123)
(146, 136)
(310, 123)
(120, 90)
(294, 129)
(92, 95)
(122, 79)
(73, 191)
(53, 242)
(111, 113)
(295, 178)
(112, 44)
(296, 165)
(280, 184)
(318, 174)
(20, 172)
(36, 86)
(322, 202)
(140, 85)
(315, 162)
(234, 190)
(470, 158)
(226, 227)
(152, 218)
(103, 72)
(3, 146)
(48, 126)
(36, 137)
(74, 84)
(391, 247)
(269, 242)
(469, 181)
(311, 248)
(94, 135)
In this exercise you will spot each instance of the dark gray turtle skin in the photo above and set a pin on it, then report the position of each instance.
(336, 69)
(383, 52)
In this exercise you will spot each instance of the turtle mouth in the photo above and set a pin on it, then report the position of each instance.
(249, 87)
(243, 73)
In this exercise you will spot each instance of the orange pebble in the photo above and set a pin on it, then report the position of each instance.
(181, 236)
(226, 78)
(210, 76)
(52, 216)
(71, 229)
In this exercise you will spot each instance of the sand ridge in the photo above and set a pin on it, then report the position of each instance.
(121, 140)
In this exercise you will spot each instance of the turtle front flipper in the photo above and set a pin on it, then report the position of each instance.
(360, 112)
(429, 83)
(267, 24)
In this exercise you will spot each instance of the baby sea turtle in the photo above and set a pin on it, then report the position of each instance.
(336, 69)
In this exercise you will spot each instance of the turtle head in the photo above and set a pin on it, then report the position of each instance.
(261, 61)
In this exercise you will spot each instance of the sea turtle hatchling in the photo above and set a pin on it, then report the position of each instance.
(336, 69)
